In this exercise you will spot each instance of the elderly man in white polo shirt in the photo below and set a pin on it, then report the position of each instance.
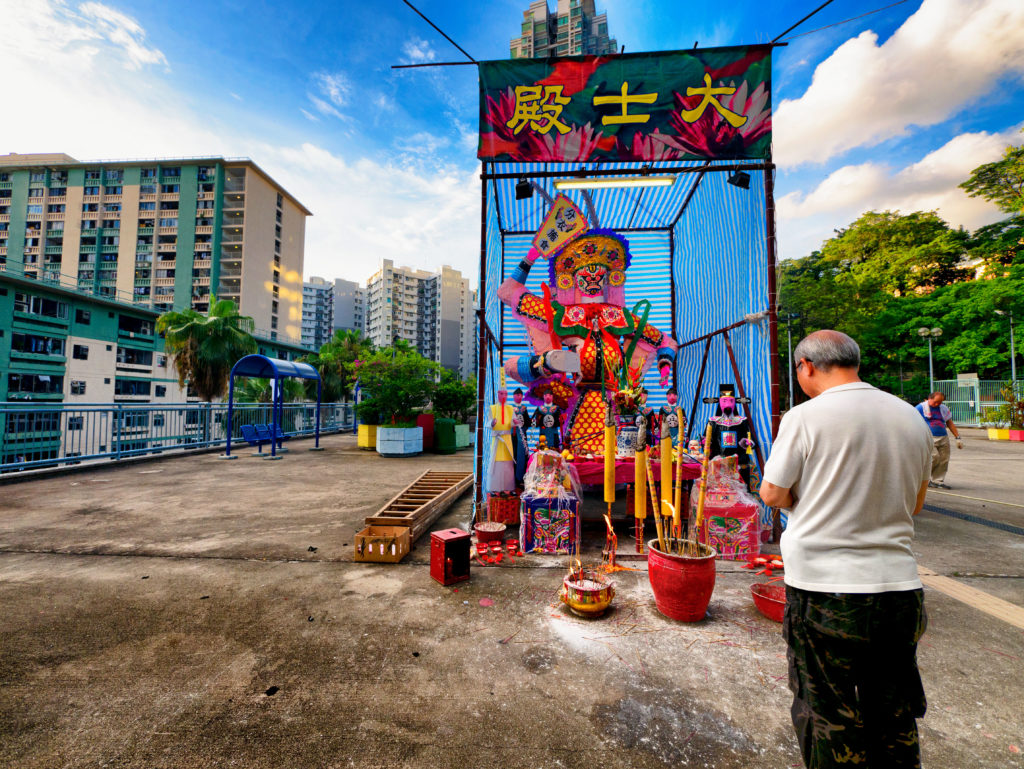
(852, 466)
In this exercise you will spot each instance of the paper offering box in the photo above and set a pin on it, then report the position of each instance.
(549, 525)
(731, 523)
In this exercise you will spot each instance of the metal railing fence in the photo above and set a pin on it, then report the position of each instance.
(37, 435)
(975, 402)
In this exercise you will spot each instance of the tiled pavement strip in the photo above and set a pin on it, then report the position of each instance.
(973, 597)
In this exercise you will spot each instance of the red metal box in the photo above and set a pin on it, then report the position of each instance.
(449, 556)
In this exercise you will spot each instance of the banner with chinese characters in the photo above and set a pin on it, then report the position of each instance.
(681, 105)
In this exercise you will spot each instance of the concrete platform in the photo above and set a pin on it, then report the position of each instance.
(172, 614)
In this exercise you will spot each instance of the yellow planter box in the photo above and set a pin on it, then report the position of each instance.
(367, 439)
(998, 434)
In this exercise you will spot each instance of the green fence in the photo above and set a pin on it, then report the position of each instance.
(973, 402)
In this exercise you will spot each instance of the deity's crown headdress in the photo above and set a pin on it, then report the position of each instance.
(597, 247)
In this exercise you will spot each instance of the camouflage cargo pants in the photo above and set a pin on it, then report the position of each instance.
(853, 672)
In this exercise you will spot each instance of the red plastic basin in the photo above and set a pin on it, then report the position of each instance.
(770, 599)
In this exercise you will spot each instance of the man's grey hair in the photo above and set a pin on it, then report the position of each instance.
(827, 349)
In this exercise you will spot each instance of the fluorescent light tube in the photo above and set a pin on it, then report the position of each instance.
(611, 181)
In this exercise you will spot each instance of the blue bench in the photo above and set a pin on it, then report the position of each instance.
(260, 436)
(255, 437)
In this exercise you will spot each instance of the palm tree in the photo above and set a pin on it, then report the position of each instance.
(335, 362)
(258, 390)
(205, 347)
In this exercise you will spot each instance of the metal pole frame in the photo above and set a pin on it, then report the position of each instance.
(773, 316)
(482, 350)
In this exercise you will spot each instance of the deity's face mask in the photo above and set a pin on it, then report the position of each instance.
(590, 280)
(671, 398)
(502, 396)
(548, 399)
(517, 397)
(727, 403)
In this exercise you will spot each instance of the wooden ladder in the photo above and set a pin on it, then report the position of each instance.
(422, 502)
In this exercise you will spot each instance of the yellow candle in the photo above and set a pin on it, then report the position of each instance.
(666, 473)
(609, 456)
(640, 481)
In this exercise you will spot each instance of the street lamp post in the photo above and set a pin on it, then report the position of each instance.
(930, 334)
(789, 343)
(1013, 353)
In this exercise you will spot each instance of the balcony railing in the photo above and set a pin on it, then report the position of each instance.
(76, 433)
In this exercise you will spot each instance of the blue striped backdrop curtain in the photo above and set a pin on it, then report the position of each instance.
(721, 274)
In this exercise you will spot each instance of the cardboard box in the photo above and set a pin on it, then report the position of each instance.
(382, 544)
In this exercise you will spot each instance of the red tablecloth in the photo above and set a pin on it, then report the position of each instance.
(592, 472)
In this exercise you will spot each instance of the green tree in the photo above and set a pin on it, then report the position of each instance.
(455, 398)
(395, 384)
(887, 275)
(1001, 182)
(205, 347)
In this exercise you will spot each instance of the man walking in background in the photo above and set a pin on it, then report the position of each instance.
(851, 465)
(938, 417)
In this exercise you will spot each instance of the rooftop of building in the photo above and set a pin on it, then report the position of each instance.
(208, 611)
(62, 160)
(123, 305)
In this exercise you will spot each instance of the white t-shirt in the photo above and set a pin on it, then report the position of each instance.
(855, 458)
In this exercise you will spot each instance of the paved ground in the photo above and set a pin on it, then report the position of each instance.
(172, 614)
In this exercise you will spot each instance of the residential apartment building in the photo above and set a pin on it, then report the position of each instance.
(574, 29)
(64, 347)
(349, 306)
(162, 234)
(317, 313)
(434, 312)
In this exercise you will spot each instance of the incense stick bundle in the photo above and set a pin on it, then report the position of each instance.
(657, 513)
(703, 491)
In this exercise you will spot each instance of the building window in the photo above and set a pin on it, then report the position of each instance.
(80, 352)
(33, 209)
(112, 190)
(170, 171)
(75, 423)
(161, 360)
(37, 305)
(131, 387)
(77, 387)
(147, 189)
(169, 188)
(36, 192)
(90, 190)
(38, 345)
(92, 174)
(160, 392)
(168, 222)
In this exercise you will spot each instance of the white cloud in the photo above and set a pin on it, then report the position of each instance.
(364, 209)
(946, 56)
(124, 32)
(335, 86)
(74, 36)
(417, 51)
(929, 184)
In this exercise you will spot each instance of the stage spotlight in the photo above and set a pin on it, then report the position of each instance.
(524, 190)
(740, 179)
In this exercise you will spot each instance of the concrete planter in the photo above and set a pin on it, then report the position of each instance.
(998, 434)
(1017, 435)
(461, 437)
(399, 441)
(367, 438)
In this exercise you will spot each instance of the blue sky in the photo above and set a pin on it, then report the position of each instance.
(889, 111)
